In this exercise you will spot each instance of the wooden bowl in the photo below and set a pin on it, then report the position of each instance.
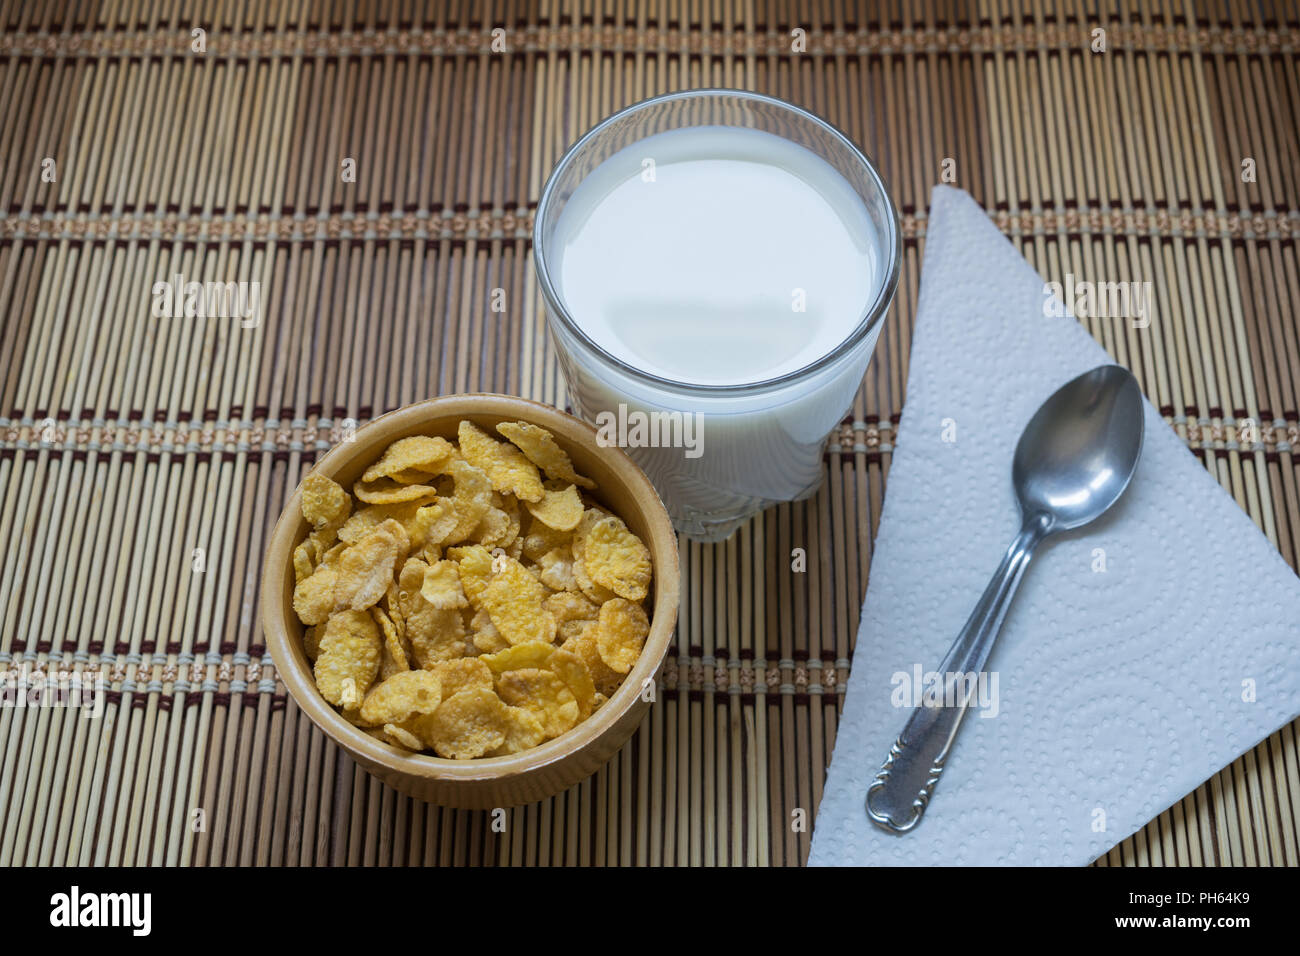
(556, 764)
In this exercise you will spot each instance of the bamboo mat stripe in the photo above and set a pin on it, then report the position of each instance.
(143, 460)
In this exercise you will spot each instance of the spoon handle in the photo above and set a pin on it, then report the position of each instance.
(905, 782)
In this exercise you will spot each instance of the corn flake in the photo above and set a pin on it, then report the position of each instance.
(527, 654)
(322, 543)
(621, 631)
(596, 592)
(574, 629)
(541, 539)
(472, 497)
(401, 696)
(435, 635)
(367, 519)
(401, 736)
(542, 450)
(366, 568)
(313, 597)
(386, 491)
(475, 566)
(432, 524)
(393, 659)
(505, 465)
(348, 661)
(442, 588)
(459, 675)
(311, 642)
(523, 732)
(560, 508)
(418, 454)
(325, 504)
(484, 633)
(544, 694)
(571, 606)
(304, 562)
(492, 529)
(467, 724)
(615, 558)
(513, 598)
(570, 668)
(557, 570)
(584, 648)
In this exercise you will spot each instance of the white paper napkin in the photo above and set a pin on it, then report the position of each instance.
(1119, 691)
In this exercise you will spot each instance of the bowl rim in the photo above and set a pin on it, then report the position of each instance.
(277, 616)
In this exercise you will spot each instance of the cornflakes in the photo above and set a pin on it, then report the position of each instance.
(311, 642)
(418, 454)
(475, 566)
(615, 558)
(485, 635)
(621, 630)
(560, 508)
(387, 491)
(457, 603)
(541, 449)
(435, 635)
(513, 598)
(472, 498)
(505, 465)
(467, 724)
(303, 562)
(313, 598)
(544, 694)
(571, 606)
(442, 588)
(541, 539)
(523, 732)
(402, 737)
(401, 696)
(366, 568)
(584, 648)
(557, 570)
(324, 502)
(569, 667)
(527, 654)
(432, 524)
(394, 659)
(348, 661)
(459, 675)
(367, 519)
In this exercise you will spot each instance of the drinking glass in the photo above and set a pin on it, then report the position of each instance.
(762, 442)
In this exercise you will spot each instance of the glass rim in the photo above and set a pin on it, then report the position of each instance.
(873, 315)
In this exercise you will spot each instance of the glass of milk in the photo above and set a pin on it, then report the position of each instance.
(716, 266)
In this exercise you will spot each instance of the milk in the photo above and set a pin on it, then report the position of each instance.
(737, 257)
(717, 259)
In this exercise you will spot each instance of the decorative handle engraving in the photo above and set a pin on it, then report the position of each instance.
(897, 798)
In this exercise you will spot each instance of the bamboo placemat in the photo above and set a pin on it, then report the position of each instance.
(145, 460)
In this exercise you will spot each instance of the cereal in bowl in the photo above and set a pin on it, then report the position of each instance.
(469, 597)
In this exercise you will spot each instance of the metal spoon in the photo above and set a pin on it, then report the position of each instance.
(1073, 461)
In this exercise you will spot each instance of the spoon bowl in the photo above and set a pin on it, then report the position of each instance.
(1079, 451)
